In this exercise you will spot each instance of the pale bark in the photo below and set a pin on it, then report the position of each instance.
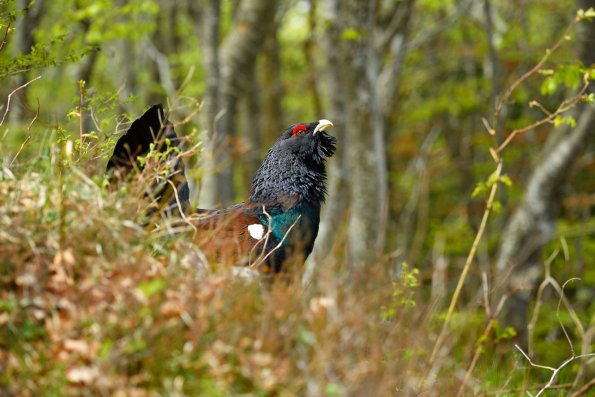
(84, 73)
(250, 129)
(272, 87)
(372, 66)
(210, 52)
(394, 41)
(126, 68)
(362, 160)
(312, 83)
(26, 24)
(165, 41)
(337, 198)
(236, 56)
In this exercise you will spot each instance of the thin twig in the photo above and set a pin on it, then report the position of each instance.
(510, 391)
(532, 71)
(555, 371)
(539, 106)
(12, 93)
(269, 231)
(558, 314)
(28, 136)
(467, 266)
(583, 390)
(549, 280)
(486, 333)
(81, 103)
(496, 154)
(5, 38)
(182, 212)
(266, 238)
(538, 301)
(20, 150)
(280, 243)
(566, 105)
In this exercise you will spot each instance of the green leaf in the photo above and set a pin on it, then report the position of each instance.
(570, 75)
(105, 348)
(549, 86)
(505, 179)
(493, 178)
(588, 15)
(152, 287)
(332, 390)
(306, 337)
(569, 120)
(480, 188)
(351, 34)
(8, 305)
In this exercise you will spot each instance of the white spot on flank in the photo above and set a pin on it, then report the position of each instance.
(256, 231)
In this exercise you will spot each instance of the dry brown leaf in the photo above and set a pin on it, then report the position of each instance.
(82, 375)
(171, 309)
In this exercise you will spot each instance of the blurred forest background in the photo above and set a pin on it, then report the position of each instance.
(441, 110)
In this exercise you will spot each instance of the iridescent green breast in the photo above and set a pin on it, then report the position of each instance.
(295, 227)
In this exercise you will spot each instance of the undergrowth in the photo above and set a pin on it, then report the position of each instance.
(95, 299)
(94, 303)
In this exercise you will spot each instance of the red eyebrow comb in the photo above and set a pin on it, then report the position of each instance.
(299, 127)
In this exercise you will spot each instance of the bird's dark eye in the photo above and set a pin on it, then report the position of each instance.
(301, 132)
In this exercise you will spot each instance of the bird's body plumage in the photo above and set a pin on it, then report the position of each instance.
(281, 216)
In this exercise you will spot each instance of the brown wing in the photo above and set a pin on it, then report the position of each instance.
(230, 236)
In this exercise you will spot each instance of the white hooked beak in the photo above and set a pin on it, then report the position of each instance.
(323, 125)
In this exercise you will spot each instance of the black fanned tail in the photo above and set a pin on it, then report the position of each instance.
(151, 128)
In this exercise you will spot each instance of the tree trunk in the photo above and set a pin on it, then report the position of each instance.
(126, 68)
(534, 223)
(84, 73)
(337, 199)
(272, 88)
(362, 159)
(164, 42)
(25, 25)
(236, 56)
(372, 66)
(387, 87)
(210, 46)
(250, 129)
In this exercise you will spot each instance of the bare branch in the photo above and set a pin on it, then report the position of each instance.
(566, 105)
(28, 135)
(530, 73)
(5, 37)
(583, 390)
(179, 204)
(485, 335)
(163, 67)
(278, 245)
(555, 371)
(561, 291)
(467, 266)
(12, 93)
(266, 238)
(81, 104)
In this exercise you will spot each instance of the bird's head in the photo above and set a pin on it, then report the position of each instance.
(294, 166)
(308, 141)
